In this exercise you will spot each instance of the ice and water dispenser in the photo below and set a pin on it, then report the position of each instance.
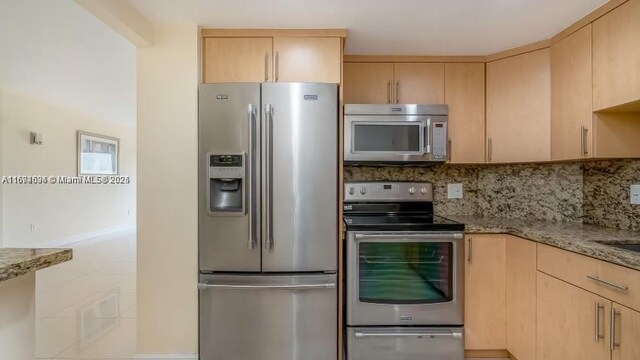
(226, 184)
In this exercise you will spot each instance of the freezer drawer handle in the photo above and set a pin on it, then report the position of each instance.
(453, 334)
(204, 286)
(437, 236)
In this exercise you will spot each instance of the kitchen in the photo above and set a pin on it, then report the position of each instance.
(459, 181)
(487, 202)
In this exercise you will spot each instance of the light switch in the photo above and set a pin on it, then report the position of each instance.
(454, 191)
(635, 194)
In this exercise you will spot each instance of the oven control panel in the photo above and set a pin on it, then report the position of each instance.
(387, 191)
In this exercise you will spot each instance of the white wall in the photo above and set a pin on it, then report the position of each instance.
(62, 70)
(59, 212)
(167, 186)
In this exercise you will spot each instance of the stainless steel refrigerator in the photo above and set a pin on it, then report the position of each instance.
(267, 221)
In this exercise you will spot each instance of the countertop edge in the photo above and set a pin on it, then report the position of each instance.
(35, 263)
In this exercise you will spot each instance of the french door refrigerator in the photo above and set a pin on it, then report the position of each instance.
(267, 221)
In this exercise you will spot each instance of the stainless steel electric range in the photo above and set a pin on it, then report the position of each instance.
(405, 274)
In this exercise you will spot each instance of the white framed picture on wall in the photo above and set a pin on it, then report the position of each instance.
(97, 154)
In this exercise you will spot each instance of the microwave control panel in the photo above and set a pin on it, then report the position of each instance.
(439, 136)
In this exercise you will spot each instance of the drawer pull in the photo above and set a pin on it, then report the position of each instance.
(608, 283)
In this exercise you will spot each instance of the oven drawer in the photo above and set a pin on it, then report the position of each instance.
(398, 343)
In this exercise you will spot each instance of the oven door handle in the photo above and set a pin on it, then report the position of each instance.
(413, 334)
(423, 236)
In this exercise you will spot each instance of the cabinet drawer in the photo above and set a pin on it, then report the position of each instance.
(584, 272)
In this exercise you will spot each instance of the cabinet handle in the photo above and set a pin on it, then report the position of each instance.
(277, 65)
(397, 92)
(389, 92)
(612, 341)
(598, 307)
(608, 283)
(470, 241)
(583, 140)
(449, 150)
(266, 66)
(489, 149)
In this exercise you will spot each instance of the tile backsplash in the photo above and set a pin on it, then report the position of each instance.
(594, 192)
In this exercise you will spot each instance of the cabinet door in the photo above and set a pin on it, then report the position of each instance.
(627, 333)
(367, 83)
(616, 57)
(484, 323)
(519, 108)
(571, 96)
(307, 59)
(419, 83)
(237, 60)
(567, 319)
(464, 93)
(521, 298)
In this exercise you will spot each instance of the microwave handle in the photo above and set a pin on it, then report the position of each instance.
(427, 137)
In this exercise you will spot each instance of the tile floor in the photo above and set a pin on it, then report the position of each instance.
(86, 308)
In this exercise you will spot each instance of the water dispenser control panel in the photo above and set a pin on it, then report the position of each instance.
(227, 184)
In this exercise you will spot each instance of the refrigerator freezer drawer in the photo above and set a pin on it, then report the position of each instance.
(268, 317)
(409, 343)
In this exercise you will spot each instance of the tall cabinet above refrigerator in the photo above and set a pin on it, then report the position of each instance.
(267, 221)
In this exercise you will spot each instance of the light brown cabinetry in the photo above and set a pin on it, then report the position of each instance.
(419, 83)
(484, 323)
(521, 298)
(368, 83)
(571, 96)
(237, 59)
(464, 93)
(616, 57)
(627, 334)
(571, 322)
(518, 108)
(260, 59)
(388, 83)
(307, 59)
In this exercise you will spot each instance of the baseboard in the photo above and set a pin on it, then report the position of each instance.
(493, 354)
(112, 231)
(167, 356)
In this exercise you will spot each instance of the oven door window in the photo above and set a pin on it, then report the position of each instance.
(400, 137)
(405, 272)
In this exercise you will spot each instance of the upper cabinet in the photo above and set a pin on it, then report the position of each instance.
(271, 55)
(368, 83)
(399, 83)
(237, 59)
(307, 59)
(464, 93)
(518, 108)
(419, 83)
(616, 58)
(571, 94)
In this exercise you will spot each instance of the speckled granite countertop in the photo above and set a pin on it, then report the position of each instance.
(575, 237)
(16, 261)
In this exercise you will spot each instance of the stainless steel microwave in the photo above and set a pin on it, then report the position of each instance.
(392, 133)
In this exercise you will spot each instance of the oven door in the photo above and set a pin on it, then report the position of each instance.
(386, 138)
(405, 278)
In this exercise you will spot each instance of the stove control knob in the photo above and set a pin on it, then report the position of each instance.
(352, 190)
(363, 190)
(412, 190)
(423, 190)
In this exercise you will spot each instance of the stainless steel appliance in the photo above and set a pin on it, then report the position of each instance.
(405, 274)
(267, 220)
(395, 133)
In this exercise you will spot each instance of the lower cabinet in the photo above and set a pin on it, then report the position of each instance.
(484, 323)
(576, 324)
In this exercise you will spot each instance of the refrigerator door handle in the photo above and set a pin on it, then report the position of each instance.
(413, 334)
(253, 218)
(269, 176)
(205, 286)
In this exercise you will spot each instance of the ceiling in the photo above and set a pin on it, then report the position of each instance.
(389, 27)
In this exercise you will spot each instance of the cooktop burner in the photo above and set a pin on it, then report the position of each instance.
(393, 206)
